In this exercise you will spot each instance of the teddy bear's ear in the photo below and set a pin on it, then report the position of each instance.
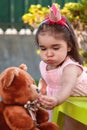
(23, 67)
(8, 77)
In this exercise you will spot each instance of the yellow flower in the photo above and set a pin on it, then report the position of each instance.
(38, 51)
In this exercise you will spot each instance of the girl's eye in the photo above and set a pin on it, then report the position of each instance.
(42, 48)
(56, 48)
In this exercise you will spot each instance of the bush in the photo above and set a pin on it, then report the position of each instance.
(36, 14)
(76, 13)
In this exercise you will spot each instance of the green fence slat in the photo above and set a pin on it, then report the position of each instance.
(4, 11)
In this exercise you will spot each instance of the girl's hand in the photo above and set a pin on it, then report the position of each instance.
(48, 102)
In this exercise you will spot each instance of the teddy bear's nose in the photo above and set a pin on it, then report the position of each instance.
(37, 90)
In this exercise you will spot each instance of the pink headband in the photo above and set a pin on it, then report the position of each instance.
(55, 17)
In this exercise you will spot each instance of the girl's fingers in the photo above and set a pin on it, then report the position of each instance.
(47, 102)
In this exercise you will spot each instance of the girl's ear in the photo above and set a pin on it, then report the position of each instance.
(69, 49)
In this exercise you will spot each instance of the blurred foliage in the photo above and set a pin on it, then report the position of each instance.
(85, 57)
(76, 13)
(84, 54)
(36, 14)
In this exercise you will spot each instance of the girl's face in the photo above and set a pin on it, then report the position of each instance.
(53, 51)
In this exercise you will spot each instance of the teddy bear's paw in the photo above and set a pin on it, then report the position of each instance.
(48, 126)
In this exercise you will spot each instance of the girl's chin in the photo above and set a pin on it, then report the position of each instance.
(49, 67)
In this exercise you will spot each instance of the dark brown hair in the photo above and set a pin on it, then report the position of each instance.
(67, 34)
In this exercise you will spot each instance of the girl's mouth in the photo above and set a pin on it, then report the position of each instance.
(50, 61)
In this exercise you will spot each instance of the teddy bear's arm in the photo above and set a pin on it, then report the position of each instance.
(42, 115)
(17, 118)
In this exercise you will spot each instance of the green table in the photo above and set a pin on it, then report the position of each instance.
(75, 107)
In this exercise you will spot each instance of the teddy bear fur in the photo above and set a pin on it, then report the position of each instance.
(16, 90)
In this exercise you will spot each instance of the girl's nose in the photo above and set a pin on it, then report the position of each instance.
(49, 53)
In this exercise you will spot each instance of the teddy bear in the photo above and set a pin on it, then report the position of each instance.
(19, 107)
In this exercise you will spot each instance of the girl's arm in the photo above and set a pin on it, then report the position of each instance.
(68, 81)
(42, 86)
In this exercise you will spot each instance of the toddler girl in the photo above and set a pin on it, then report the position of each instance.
(61, 66)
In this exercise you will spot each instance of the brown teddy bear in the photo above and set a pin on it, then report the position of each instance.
(19, 108)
